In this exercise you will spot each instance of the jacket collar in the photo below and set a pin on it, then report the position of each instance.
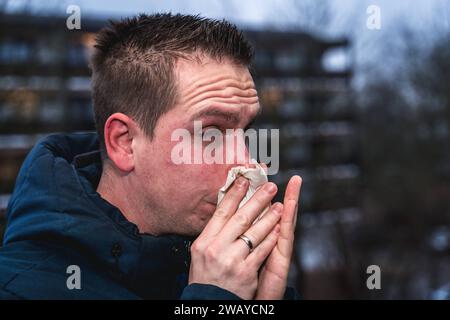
(150, 266)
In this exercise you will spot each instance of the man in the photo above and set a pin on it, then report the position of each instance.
(112, 216)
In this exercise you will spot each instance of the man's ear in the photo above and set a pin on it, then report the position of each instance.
(119, 132)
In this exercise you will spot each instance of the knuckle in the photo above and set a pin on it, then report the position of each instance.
(243, 220)
(241, 184)
(197, 247)
(237, 193)
(221, 213)
(239, 188)
(229, 263)
(210, 253)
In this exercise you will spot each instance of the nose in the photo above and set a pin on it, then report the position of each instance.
(239, 151)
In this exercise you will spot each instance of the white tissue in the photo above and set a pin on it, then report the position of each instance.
(256, 176)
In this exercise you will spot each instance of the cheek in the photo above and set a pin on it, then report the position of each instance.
(189, 179)
(214, 174)
(200, 179)
(199, 176)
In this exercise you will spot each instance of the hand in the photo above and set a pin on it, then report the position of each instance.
(219, 257)
(273, 276)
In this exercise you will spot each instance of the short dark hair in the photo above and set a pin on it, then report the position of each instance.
(133, 63)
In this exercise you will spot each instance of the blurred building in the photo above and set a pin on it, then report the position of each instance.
(44, 86)
(304, 88)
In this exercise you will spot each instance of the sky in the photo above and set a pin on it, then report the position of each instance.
(251, 12)
(345, 18)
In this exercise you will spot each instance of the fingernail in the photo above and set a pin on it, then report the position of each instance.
(241, 181)
(277, 207)
(298, 178)
(269, 187)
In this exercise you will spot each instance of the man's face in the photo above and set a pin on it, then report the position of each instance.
(183, 197)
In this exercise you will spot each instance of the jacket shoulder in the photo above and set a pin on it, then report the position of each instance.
(34, 271)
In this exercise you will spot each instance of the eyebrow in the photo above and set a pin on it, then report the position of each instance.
(230, 116)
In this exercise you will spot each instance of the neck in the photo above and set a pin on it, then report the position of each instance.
(116, 188)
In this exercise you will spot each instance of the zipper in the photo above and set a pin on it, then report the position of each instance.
(187, 253)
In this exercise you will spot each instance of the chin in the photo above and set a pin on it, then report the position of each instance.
(198, 219)
(191, 231)
(196, 225)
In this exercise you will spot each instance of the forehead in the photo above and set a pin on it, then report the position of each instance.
(209, 83)
(190, 71)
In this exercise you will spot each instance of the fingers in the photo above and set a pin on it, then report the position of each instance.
(259, 231)
(226, 208)
(264, 167)
(244, 217)
(289, 216)
(256, 258)
(250, 165)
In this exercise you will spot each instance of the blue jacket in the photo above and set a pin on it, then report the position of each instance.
(56, 220)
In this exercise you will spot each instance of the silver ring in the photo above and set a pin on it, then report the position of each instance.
(247, 241)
